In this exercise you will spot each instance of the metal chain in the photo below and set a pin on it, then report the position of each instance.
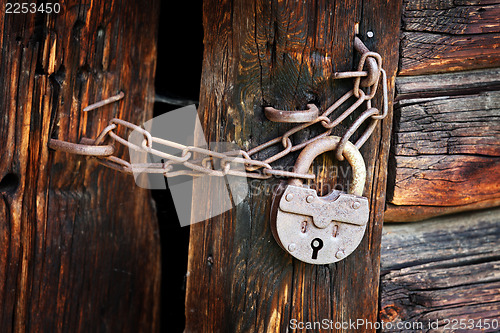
(254, 168)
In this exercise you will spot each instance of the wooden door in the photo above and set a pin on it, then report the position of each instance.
(282, 54)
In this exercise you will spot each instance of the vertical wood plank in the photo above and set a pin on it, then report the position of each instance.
(283, 54)
(79, 245)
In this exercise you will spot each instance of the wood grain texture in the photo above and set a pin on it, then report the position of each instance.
(445, 154)
(446, 268)
(413, 213)
(282, 54)
(79, 246)
(443, 36)
(448, 84)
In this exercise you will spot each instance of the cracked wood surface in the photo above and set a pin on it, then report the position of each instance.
(448, 84)
(445, 154)
(445, 268)
(79, 245)
(280, 53)
(444, 157)
(443, 36)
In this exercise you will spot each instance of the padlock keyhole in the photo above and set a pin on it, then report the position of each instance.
(316, 245)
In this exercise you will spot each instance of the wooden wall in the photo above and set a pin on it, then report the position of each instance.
(441, 270)
(446, 142)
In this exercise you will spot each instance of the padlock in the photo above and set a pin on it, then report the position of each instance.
(321, 230)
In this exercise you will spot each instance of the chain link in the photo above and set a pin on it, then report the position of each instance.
(253, 168)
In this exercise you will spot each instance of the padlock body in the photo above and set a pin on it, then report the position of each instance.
(318, 230)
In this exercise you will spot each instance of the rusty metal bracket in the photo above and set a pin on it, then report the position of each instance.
(81, 149)
(373, 63)
(300, 116)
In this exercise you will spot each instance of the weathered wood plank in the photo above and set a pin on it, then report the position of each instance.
(447, 84)
(395, 213)
(277, 53)
(443, 36)
(450, 125)
(449, 17)
(445, 153)
(424, 53)
(445, 141)
(446, 268)
(443, 4)
(79, 246)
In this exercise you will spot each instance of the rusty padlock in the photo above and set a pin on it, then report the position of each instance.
(321, 230)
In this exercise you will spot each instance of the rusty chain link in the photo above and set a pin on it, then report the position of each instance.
(368, 79)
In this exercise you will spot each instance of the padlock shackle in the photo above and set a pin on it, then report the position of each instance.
(329, 143)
